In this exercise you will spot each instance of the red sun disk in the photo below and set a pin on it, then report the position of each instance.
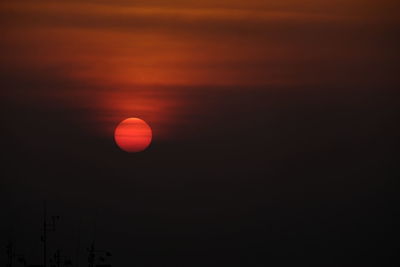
(133, 135)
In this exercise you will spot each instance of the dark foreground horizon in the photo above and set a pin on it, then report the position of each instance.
(283, 196)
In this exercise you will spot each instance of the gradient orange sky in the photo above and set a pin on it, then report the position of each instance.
(275, 135)
(163, 61)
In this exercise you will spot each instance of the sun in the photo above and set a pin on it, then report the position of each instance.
(133, 135)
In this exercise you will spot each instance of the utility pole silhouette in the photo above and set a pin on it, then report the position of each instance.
(47, 227)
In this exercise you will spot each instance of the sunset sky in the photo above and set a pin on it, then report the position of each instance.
(272, 121)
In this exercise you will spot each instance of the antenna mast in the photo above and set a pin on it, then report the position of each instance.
(10, 254)
(47, 227)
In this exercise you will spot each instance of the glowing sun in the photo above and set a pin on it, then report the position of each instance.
(133, 135)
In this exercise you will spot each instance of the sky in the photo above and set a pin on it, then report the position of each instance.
(274, 129)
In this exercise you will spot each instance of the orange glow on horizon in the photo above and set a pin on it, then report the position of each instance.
(133, 135)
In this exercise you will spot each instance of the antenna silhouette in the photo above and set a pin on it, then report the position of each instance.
(10, 254)
(47, 227)
(56, 260)
(78, 241)
(95, 252)
(96, 258)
